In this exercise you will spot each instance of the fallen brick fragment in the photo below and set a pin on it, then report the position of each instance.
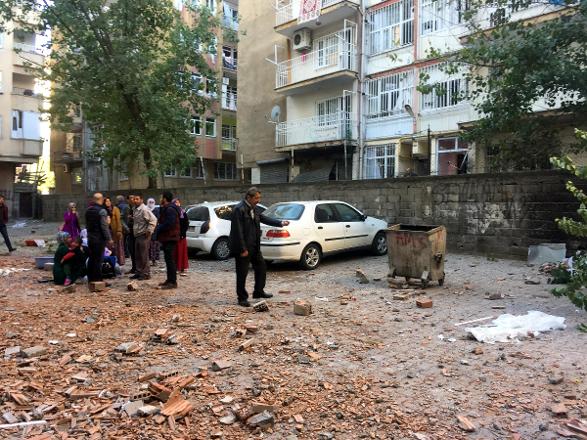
(33, 352)
(424, 303)
(97, 286)
(302, 308)
(221, 364)
(559, 410)
(361, 277)
(465, 424)
(261, 306)
(262, 420)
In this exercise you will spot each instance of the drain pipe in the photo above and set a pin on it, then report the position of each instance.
(361, 94)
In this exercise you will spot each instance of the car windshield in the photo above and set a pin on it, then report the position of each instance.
(285, 211)
(198, 214)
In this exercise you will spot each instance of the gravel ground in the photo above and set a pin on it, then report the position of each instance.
(363, 365)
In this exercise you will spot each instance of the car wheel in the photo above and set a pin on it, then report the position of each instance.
(221, 249)
(311, 257)
(379, 245)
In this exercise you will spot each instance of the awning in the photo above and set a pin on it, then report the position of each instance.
(318, 175)
(272, 161)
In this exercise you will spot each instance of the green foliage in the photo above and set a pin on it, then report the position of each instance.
(518, 68)
(129, 64)
(576, 284)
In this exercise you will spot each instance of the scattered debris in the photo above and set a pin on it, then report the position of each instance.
(133, 286)
(465, 424)
(361, 276)
(97, 286)
(424, 303)
(559, 409)
(262, 420)
(261, 306)
(165, 336)
(532, 281)
(221, 364)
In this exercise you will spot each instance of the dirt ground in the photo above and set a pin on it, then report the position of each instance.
(362, 365)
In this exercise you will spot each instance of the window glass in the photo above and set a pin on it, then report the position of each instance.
(348, 214)
(224, 212)
(324, 214)
(285, 211)
(198, 214)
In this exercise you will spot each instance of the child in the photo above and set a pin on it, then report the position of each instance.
(69, 261)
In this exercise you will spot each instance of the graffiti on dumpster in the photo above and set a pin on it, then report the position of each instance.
(410, 239)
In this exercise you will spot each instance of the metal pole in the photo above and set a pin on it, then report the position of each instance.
(429, 152)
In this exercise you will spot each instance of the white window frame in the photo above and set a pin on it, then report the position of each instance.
(170, 172)
(17, 117)
(388, 95)
(327, 49)
(451, 86)
(436, 15)
(212, 123)
(183, 175)
(391, 27)
(196, 81)
(329, 111)
(196, 128)
(375, 153)
(226, 167)
(460, 146)
(210, 4)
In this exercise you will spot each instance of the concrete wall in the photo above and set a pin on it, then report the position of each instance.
(256, 80)
(497, 214)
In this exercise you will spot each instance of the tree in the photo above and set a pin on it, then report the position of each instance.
(516, 69)
(129, 64)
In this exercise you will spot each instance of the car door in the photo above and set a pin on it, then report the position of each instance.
(356, 230)
(329, 230)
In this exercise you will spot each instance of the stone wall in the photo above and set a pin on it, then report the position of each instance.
(493, 214)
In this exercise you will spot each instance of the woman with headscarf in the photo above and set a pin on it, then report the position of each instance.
(116, 229)
(181, 250)
(155, 247)
(69, 262)
(71, 221)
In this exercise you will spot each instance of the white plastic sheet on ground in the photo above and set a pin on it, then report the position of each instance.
(510, 327)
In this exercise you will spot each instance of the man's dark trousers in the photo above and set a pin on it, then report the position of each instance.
(96, 250)
(242, 269)
(168, 251)
(132, 251)
(4, 233)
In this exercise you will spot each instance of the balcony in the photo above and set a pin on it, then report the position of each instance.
(333, 127)
(228, 144)
(338, 62)
(230, 23)
(25, 54)
(332, 11)
(67, 157)
(21, 91)
(229, 101)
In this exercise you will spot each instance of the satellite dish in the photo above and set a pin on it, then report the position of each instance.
(275, 113)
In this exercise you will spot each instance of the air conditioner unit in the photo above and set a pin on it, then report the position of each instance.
(302, 40)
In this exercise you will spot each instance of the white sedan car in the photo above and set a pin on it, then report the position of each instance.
(209, 228)
(319, 228)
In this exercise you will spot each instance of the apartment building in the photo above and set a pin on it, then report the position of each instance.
(347, 72)
(214, 133)
(20, 119)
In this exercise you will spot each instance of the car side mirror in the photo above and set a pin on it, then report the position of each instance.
(364, 217)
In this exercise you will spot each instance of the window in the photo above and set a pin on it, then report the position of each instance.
(379, 161)
(329, 111)
(17, 116)
(441, 14)
(196, 80)
(391, 27)
(452, 156)
(186, 172)
(198, 214)
(229, 57)
(388, 95)
(225, 171)
(324, 214)
(170, 172)
(327, 48)
(224, 212)
(210, 4)
(285, 211)
(210, 127)
(196, 125)
(198, 170)
(211, 87)
(448, 90)
(347, 214)
(122, 175)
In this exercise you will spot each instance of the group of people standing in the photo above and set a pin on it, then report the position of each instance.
(128, 228)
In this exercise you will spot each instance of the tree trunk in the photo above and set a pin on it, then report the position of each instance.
(149, 164)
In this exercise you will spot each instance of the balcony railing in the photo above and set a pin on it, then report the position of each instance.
(288, 10)
(26, 92)
(27, 47)
(342, 56)
(230, 23)
(228, 144)
(324, 128)
(229, 101)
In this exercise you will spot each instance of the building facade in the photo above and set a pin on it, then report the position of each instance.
(21, 99)
(215, 134)
(345, 101)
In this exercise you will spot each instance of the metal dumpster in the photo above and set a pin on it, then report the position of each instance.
(416, 251)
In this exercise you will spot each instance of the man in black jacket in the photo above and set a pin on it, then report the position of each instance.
(245, 244)
(98, 236)
(3, 223)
